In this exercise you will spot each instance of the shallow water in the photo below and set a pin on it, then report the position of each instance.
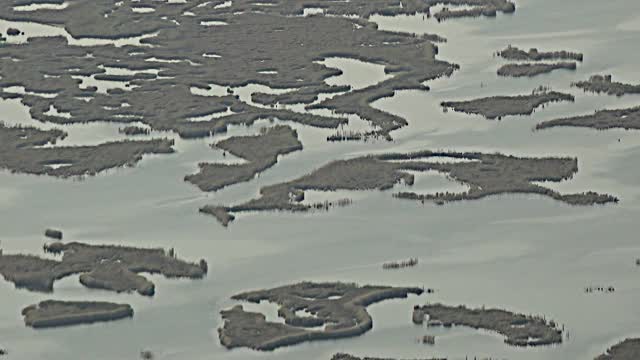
(522, 252)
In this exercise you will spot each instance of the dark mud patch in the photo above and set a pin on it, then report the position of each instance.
(22, 151)
(486, 175)
(519, 329)
(628, 349)
(339, 307)
(604, 84)
(601, 120)
(496, 107)
(52, 313)
(106, 267)
(531, 70)
(516, 54)
(261, 153)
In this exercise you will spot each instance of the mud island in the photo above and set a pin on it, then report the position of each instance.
(261, 152)
(531, 70)
(331, 311)
(601, 120)
(519, 329)
(52, 313)
(628, 349)
(496, 107)
(514, 53)
(605, 84)
(22, 151)
(485, 174)
(113, 268)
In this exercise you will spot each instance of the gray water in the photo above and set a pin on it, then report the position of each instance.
(522, 252)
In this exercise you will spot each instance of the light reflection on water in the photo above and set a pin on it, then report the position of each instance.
(522, 252)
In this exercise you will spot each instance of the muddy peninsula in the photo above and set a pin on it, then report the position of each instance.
(113, 268)
(51, 313)
(516, 54)
(519, 329)
(496, 107)
(604, 84)
(628, 119)
(22, 151)
(261, 152)
(485, 174)
(628, 349)
(531, 70)
(331, 311)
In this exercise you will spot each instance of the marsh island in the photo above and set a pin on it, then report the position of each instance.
(519, 329)
(486, 174)
(497, 107)
(106, 267)
(334, 311)
(52, 313)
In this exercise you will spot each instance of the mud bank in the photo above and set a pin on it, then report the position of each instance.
(604, 84)
(21, 151)
(112, 268)
(340, 307)
(601, 120)
(628, 349)
(496, 107)
(514, 53)
(531, 70)
(519, 329)
(261, 153)
(486, 175)
(52, 313)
